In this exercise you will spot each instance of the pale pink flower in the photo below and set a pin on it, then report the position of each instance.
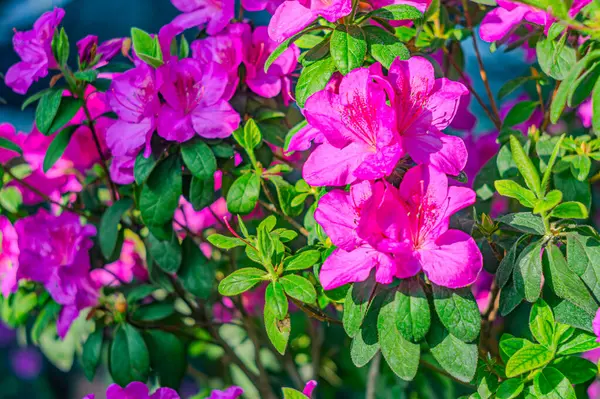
(34, 49)
(294, 15)
(9, 256)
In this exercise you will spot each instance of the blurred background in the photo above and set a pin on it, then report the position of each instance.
(24, 371)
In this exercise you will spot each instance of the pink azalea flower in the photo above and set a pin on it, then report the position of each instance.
(34, 48)
(137, 390)
(500, 21)
(194, 103)
(7, 131)
(130, 265)
(277, 78)
(294, 15)
(9, 257)
(230, 393)
(303, 139)
(401, 232)
(259, 5)
(93, 55)
(481, 290)
(309, 388)
(54, 252)
(227, 50)
(596, 325)
(584, 113)
(133, 96)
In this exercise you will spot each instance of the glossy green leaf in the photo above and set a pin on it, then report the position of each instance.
(551, 384)
(302, 260)
(528, 358)
(57, 147)
(160, 195)
(46, 110)
(199, 159)
(413, 317)
(92, 351)
(458, 312)
(109, 226)
(129, 357)
(243, 194)
(241, 281)
(348, 47)
(162, 346)
(276, 300)
(299, 288)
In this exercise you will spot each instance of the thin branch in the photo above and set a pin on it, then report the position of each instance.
(373, 375)
(314, 313)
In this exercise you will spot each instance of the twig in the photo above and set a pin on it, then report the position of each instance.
(314, 313)
(373, 375)
(316, 334)
(273, 208)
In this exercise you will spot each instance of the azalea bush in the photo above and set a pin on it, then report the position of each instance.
(309, 209)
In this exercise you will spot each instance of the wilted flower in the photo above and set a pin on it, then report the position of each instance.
(93, 55)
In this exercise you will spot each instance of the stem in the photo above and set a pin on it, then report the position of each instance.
(438, 370)
(316, 334)
(273, 208)
(111, 186)
(314, 313)
(372, 377)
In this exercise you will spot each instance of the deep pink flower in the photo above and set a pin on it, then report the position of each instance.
(482, 290)
(596, 325)
(259, 5)
(277, 79)
(230, 393)
(227, 50)
(401, 232)
(9, 256)
(54, 252)
(294, 15)
(34, 48)
(133, 96)
(93, 55)
(121, 169)
(584, 113)
(130, 265)
(501, 20)
(309, 388)
(194, 103)
(137, 390)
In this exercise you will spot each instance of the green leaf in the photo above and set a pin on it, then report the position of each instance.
(154, 311)
(509, 389)
(278, 331)
(541, 323)
(366, 342)
(570, 210)
(197, 273)
(92, 351)
(576, 369)
(276, 300)
(147, 47)
(384, 46)
(551, 384)
(36, 96)
(528, 271)
(525, 166)
(458, 358)
(573, 189)
(143, 167)
(520, 113)
(555, 59)
(162, 346)
(243, 194)
(202, 192)
(289, 393)
(348, 47)
(11, 199)
(48, 314)
(583, 256)
(524, 222)
(46, 110)
(512, 85)
(314, 78)
(413, 318)
(580, 165)
(401, 355)
(60, 47)
(265, 244)
(507, 265)
(9, 145)
(87, 76)
(299, 288)
(129, 357)
(528, 358)
(579, 342)
(69, 106)
(512, 189)
(160, 195)
(199, 159)
(285, 195)
(167, 254)
(566, 87)
(398, 12)
(596, 107)
(241, 281)
(252, 135)
(564, 282)
(302, 260)
(356, 305)
(549, 201)
(224, 242)
(109, 226)
(280, 49)
(510, 345)
(458, 312)
(57, 147)
(551, 162)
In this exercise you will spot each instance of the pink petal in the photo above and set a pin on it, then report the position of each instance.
(216, 121)
(290, 18)
(302, 140)
(124, 138)
(338, 217)
(331, 166)
(499, 22)
(444, 100)
(342, 267)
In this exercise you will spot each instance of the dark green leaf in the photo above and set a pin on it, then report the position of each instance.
(356, 305)
(528, 272)
(241, 281)
(202, 192)
(143, 167)
(384, 46)
(154, 311)
(167, 253)
(579, 342)
(458, 358)
(129, 357)
(413, 317)
(573, 189)
(9, 145)
(57, 147)
(348, 47)
(167, 356)
(314, 78)
(366, 342)
(197, 273)
(509, 389)
(199, 159)
(46, 110)
(109, 226)
(92, 350)
(520, 113)
(551, 384)
(524, 222)
(243, 194)
(276, 300)
(512, 85)
(69, 106)
(458, 312)
(577, 369)
(160, 195)
(302, 260)
(299, 288)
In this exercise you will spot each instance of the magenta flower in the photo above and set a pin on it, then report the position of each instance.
(54, 252)
(259, 5)
(358, 125)
(194, 103)
(481, 149)
(596, 325)
(34, 48)
(130, 265)
(309, 388)
(401, 232)
(137, 390)
(9, 257)
(7, 131)
(500, 21)
(584, 113)
(93, 55)
(227, 50)
(294, 15)
(277, 79)
(133, 96)
(230, 393)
